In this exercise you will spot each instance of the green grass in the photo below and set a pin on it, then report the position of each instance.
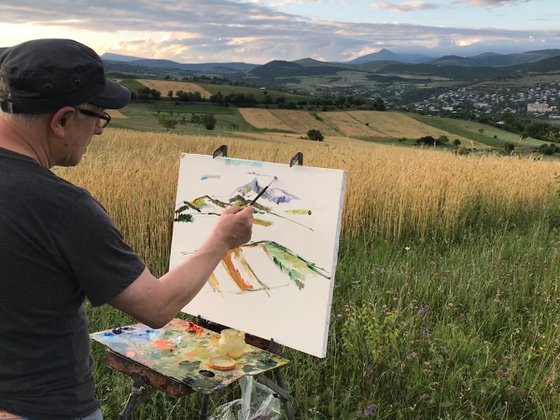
(472, 130)
(142, 116)
(419, 330)
(132, 84)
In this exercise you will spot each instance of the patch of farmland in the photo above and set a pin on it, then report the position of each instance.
(348, 125)
(263, 119)
(398, 125)
(302, 122)
(165, 86)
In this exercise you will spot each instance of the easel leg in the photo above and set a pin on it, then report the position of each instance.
(278, 387)
(139, 394)
(203, 414)
(286, 401)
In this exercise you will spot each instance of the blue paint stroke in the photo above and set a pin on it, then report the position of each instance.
(239, 162)
(274, 195)
(210, 176)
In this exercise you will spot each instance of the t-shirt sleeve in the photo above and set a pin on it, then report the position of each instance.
(102, 263)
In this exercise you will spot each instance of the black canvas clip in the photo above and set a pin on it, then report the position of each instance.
(220, 151)
(297, 159)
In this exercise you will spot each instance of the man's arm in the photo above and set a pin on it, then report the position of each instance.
(155, 302)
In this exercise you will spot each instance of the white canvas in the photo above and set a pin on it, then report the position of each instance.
(286, 272)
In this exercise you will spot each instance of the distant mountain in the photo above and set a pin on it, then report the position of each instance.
(119, 57)
(169, 64)
(311, 62)
(488, 59)
(279, 68)
(387, 55)
(497, 60)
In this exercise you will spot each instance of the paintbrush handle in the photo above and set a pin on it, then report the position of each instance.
(258, 195)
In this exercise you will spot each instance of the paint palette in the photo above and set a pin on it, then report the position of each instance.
(183, 351)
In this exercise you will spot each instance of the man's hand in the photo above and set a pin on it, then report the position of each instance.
(156, 301)
(234, 227)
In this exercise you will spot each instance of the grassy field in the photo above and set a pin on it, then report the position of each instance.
(144, 116)
(447, 290)
(482, 133)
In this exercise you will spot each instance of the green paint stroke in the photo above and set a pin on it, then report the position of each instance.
(306, 212)
(295, 267)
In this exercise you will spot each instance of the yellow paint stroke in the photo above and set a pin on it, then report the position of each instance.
(214, 283)
(262, 222)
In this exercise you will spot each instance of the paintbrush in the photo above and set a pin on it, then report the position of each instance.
(262, 191)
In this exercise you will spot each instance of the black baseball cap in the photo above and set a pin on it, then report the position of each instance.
(44, 75)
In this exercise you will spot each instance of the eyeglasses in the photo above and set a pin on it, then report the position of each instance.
(102, 119)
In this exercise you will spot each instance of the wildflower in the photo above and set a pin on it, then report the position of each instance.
(423, 310)
(503, 372)
(426, 332)
(369, 410)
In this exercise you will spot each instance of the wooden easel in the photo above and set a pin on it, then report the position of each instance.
(146, 379)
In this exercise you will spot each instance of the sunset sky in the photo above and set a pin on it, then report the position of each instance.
(259, 31)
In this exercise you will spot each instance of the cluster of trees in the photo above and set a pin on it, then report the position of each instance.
(170, 122)
(315, 135)
(432, 141)
(146, 94)
(237, 99)
(186, 96)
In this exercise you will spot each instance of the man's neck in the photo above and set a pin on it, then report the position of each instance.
(21, 138)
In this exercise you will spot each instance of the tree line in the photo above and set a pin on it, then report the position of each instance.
(239, 99)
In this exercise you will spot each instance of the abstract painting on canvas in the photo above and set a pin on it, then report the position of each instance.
(279, 285)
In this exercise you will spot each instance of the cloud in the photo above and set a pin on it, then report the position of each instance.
(405, 7)
(191, 31)
(492, 3)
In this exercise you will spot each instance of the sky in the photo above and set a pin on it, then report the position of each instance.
(259, 31)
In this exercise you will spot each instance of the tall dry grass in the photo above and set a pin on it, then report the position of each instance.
(391, 191)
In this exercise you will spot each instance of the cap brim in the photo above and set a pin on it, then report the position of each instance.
(114, 96)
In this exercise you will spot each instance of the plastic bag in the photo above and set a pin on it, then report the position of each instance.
(257, 402)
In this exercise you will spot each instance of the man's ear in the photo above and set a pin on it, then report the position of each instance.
(60, 119)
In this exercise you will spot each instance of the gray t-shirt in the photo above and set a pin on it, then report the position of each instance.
(57, 247)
